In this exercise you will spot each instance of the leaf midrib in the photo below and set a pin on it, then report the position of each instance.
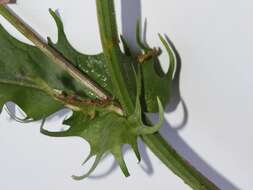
(21, 84)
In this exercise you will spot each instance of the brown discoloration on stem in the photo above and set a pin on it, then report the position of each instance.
(150, 54)
(79, 102)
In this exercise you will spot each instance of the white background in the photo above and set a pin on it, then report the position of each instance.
(214, 39)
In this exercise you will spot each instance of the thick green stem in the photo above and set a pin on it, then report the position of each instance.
(156, 143)
(110, 43)
(168, 155)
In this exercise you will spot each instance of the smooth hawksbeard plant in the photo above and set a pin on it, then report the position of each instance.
(109, 93)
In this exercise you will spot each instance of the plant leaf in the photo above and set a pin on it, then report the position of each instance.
(30, 78)
(93, 65)
(19, 73)
(33, 81)
(106, 133)
(155, 82)
(35, 103)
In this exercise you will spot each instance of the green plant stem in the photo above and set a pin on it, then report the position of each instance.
(110, 43)
(156, 143)
(168, 155)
